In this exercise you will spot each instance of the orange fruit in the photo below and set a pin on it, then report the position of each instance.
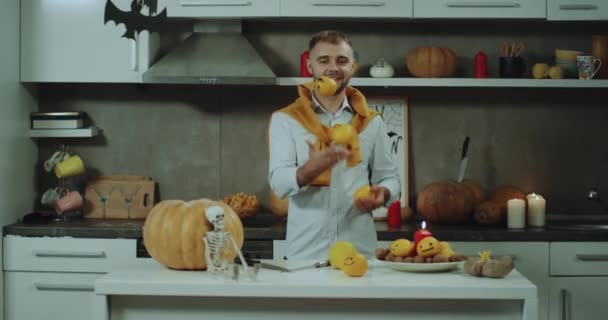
(339, 251)
(355, 265)
(326, 86)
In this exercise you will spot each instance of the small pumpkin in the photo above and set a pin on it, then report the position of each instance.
(475, 191)
(489, 213)
(445, 202)
(431, 62)
(174, 229)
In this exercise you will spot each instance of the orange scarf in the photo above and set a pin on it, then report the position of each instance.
(302, 111)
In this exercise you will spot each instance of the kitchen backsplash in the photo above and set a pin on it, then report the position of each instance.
(209, 141)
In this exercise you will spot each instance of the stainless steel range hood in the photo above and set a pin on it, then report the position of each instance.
(212, 55)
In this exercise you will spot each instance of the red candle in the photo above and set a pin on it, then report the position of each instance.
(421, 234)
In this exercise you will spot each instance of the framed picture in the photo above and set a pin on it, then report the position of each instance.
(395, 113)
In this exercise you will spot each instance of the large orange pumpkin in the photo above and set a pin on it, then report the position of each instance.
(475, 191)
(431, 62)
(445, 202)
(174, 231)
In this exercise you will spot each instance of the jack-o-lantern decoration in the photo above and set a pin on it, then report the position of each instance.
(355, 265)
(428, 247)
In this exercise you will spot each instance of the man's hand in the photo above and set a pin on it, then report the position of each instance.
(319, 161)
(381, 195)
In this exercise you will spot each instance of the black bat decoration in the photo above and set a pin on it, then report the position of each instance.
(133, 20)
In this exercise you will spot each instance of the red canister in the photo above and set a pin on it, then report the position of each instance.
(481, 65)
(394, 214)
(303, 64)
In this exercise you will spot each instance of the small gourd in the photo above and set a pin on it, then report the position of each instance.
(381, 69)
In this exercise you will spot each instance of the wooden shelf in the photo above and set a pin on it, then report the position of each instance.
(65, 133)
(459, 82)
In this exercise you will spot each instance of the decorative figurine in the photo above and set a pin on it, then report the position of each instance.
(217, 242)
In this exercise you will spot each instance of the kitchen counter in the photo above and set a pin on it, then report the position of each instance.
(271, 228)
(151, 290)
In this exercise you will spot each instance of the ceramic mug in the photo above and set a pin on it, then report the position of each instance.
(51, 195)
(587, 67)
(70, 167)
(57, 157)
(70, 202)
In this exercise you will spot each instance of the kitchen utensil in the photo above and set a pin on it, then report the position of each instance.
(464, 158)
(316, 265)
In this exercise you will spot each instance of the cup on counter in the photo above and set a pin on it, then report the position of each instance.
(50, 196)
(511, 67)
(588, 66)
(70, 167)
(70, 202)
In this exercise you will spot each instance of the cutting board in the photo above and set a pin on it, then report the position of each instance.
(119, 197)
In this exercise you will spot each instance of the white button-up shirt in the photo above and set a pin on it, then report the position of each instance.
(318, 216)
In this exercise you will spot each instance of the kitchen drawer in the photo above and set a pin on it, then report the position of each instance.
(577, 10)
(44, 295)
(578, 258)
(480, 9)
(347, 8)
(222, 8)
(67, 254)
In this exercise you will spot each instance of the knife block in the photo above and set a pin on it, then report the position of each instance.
(119, 197)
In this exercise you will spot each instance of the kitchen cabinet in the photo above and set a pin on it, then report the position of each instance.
(577, 10)
(515, 9)
(578, 280)
(347, 8)
(52, 278)
(68, 42)
(222, 8)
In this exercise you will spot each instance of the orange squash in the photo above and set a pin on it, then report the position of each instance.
(475, 191)
(174, 231)
(489, 213)
(431, 62)
(502, 194)
(445, 202)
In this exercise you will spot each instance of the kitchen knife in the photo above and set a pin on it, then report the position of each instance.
(315, 265)
(463, 159)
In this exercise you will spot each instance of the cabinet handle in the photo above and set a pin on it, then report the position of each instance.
(473, 4)
(578, 7)
(564, 297)
(211, 3)
(63, 287)
(592, 257)
(69, 254)
(351, 3)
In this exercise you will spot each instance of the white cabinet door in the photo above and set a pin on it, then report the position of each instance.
(67, 41)
(347, 8)
(480, 9)
(223, 8)
(44, 295)
(577, 10)
(578, 298)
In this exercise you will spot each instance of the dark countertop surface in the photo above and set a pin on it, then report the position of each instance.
(271, 228)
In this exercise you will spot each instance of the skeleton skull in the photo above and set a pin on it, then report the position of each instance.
(215, 215)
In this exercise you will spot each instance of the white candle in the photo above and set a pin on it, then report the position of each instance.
(516, 213)
(536, 211)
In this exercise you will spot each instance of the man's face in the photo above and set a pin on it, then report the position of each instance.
(333, 60)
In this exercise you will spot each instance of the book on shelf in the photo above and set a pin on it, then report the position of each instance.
(57, 120)
(58, 124)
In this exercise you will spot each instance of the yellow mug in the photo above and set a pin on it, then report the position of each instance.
(70, 167)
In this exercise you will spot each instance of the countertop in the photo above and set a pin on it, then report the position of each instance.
(378, 282)
(272, 228)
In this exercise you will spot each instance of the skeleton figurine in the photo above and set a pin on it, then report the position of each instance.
(217, 241)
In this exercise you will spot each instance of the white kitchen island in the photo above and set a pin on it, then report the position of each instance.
(153, 292)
